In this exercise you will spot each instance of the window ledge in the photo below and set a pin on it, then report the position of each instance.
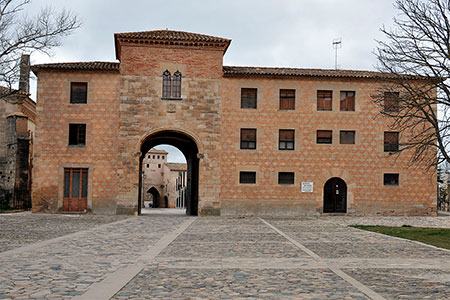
(171, 98)
(76, 146)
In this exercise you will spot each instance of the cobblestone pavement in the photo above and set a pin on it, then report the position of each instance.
(178, 257)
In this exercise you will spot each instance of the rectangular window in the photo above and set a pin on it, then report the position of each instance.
(286, 177)
(159, 166)
(149, 157)
(248, 138)
(75, 189)
(390, 141)
(248, 98)
(324, 100)
(390, 179)
(286, 139)
(247, 177)
(347, 101)
(347, 137)
(77, 134)
(324, 136)
(287, 99)
(148, 166)
(391, 102)
(78, 92)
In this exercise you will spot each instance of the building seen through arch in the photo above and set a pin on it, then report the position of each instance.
(257, 140)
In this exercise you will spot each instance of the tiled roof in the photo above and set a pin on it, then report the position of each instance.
(296, 72)
(7, 91)
(172, 35)
(86, 66)
(176, 166)
(156, 151)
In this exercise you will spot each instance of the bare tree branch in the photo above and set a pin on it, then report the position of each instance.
(20, 33)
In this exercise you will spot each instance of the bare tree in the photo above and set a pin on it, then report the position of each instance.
(20, 33)
(416, 94)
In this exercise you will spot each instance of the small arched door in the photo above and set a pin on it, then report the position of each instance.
(335, 196)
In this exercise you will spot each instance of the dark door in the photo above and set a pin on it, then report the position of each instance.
(335, 196)
(75, 189)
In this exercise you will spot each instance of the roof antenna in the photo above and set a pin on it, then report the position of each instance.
(337, 44)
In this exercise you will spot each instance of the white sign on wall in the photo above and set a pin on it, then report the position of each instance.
(307, 187)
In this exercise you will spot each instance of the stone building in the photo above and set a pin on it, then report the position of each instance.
(17, 122)
(162, 182)
(266, 141)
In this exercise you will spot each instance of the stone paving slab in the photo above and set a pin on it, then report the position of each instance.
(405, 283)
(159, 283)
(22, 229)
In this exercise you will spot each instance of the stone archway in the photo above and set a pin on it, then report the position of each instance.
(187, 145)
(156, 197)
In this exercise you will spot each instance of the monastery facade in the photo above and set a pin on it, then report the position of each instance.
(258, 141)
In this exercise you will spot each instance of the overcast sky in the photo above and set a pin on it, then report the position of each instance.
(282, 33)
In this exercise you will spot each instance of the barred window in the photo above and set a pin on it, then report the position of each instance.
(286, 139)
(247, 177)
(248, 98)
(390, 179)
(166, 84)
(78, 92)
(176, 85)
(286, 177)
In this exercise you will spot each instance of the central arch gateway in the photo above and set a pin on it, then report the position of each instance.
(190, 150)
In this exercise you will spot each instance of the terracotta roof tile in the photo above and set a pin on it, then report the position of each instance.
(296, 72)
(172, 35)
(86, 66)
(157, 151)
(176, 166)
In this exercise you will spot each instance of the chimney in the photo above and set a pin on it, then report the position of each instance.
(24, 80)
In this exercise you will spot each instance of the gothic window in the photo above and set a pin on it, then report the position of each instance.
(176, 85)
(166, 84)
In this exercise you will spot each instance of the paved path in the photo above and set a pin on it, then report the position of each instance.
(162, 256)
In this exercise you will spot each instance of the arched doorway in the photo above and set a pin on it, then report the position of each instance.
(190, 151)
(156, 197)
(335, 196)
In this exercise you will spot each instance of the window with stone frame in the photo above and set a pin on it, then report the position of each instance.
(248, 98)
(347, 101)
(287, 178)
(248, 138)
(325, 100)
(247, 177)
(287, 99)
(286, 139)
(176, 85)
(391, 101)
(347, 137)
(391, 141)
(324, 137)
(390, 179)
(77, 134)
(167, 84)
(78, 92)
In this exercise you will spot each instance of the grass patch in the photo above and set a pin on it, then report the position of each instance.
(439, 237)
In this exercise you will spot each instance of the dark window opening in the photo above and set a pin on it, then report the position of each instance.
(248, 138)
(391, 141)
(390, 179)
(78, 92)
(347, 101)
(391, 102)
(286, 178)
(176, 85)
(287, 99)
(286, 139)
(325, 100)
(166, 89)
(247, 177)
(324, 136)
(159, 166)
(77, 134)
(248, 98)
(347, 137)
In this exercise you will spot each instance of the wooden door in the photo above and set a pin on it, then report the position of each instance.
(335, 196)
(75, 189)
